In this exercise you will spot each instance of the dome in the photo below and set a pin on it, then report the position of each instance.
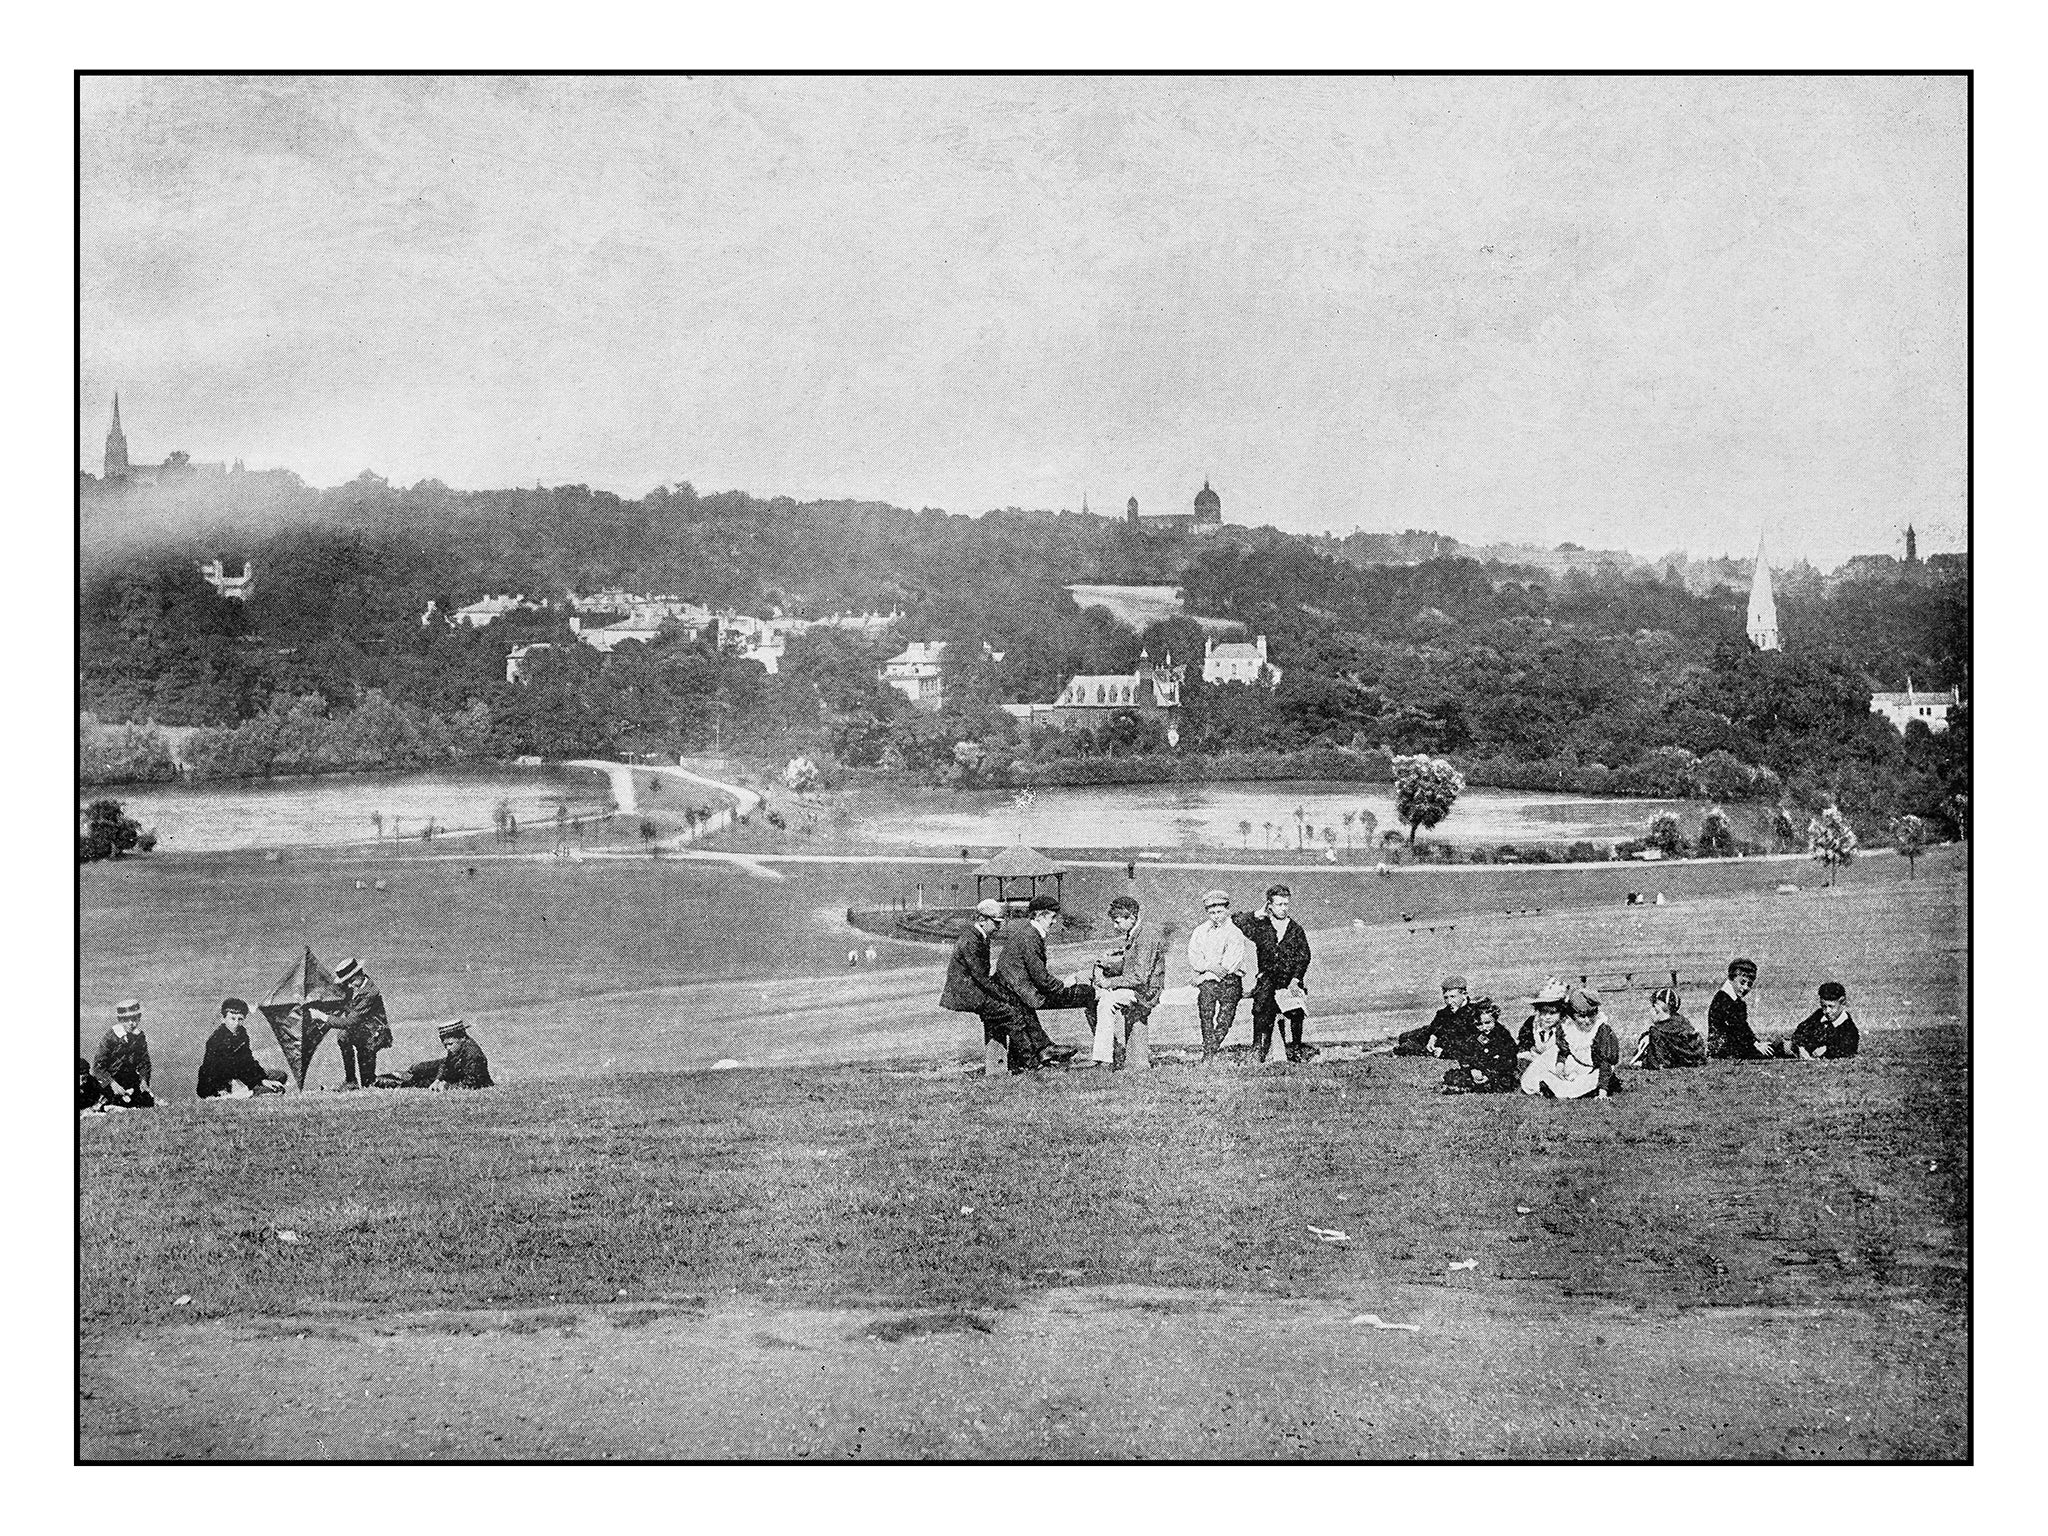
(1208, 501)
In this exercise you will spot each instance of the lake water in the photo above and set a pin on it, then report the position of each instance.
(334, 810)
(1210, 816)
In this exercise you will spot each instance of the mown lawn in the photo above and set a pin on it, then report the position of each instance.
(1778, 1185)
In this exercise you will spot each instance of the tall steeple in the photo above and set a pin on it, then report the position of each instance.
(116, 465)
(1912, 547)
(1763, 608)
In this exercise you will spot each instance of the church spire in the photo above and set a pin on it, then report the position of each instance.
(116, 465)
(1763, 607)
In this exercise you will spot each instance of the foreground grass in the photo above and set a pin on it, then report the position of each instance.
(1783, 1185)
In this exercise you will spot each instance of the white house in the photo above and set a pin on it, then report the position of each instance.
(237, 587)
(1901, 709)
(914, 672)
(515, 663)
(1236, 662)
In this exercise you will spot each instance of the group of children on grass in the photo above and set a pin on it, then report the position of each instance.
(1567, 1049)
(119, 1075)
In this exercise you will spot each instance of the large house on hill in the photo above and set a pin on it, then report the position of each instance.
(1902, 709)
(1089, 699)
(1236, 662)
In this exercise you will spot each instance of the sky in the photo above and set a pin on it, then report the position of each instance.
(1649, 313)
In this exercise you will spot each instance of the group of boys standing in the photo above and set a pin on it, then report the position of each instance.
(121, 1072)
(1566, 1047)
(1266, 949)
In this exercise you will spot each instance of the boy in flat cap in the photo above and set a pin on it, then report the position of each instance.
(230, 1061)
(1829, 1032)
(1022, 969)
(1281, 946)
(122, 1061)
(971, 987)
(1217, 954)
(1453, 1030)
(362, 1029)
(1128, 982)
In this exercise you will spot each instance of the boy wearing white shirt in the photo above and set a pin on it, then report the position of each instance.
(1217, 955)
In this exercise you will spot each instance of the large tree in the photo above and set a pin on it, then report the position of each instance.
(1425, 789)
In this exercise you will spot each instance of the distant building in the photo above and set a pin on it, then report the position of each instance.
(914, 672)
(1763, 608)
(1237, 662)
(1089, 699)
(117, 468)
(515, 663)
(609, 637)
(481, 612)
(1902, 709)
(241, 588)
(1206, 518)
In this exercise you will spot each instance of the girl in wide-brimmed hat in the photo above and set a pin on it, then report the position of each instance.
(1581, 1056)
(1670, 1040)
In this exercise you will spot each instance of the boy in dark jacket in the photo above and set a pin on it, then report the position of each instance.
(1729, 1037)
(1282, 947)
(971, 987)
(230, 1060)
(1829, 1032)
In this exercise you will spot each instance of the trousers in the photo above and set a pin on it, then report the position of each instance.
(1016, 1028)
(1216, 1010)
(358, 1062)
(1113, 1023)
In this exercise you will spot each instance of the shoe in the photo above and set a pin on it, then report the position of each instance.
(1059, 1053)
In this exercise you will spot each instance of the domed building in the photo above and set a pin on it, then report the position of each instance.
(1206, 518)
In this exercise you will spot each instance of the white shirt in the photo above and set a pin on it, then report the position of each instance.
(1215, 952)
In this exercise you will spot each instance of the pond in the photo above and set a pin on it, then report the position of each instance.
(333, 810)
(1229, 816)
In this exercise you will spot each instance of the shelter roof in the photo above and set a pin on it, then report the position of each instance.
(1018, 860)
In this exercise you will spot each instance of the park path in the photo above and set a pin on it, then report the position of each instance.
(627, 794)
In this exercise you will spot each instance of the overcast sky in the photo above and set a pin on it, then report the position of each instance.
(1655, 313)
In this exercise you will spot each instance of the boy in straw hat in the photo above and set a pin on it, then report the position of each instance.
(122, 1061)
(461, 1063)
(363, 1028)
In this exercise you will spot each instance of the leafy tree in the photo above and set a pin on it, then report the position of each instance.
(1717, 835)
(1909, 837)
(1830, 839)
(105, 833)
(1425, 789)
(1666, 835)
(1244, 834)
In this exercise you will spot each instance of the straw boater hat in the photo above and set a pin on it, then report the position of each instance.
(128, 1010)
(348, 970)
(454, 1029)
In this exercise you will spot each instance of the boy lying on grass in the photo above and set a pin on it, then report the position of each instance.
(461, 1064)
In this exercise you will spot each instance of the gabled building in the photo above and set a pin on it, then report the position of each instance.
(481, 612)
(914, 672)
(1089, 699)
(1902, 709)
(1237, 662)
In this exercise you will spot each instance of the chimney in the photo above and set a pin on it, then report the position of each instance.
(1208, 646)
(1262, 648)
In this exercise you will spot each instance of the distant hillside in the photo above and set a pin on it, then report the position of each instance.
(1143, 606)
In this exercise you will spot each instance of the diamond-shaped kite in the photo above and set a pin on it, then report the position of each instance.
(302, 1008)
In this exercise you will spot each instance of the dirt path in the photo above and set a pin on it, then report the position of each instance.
(1494, 1369)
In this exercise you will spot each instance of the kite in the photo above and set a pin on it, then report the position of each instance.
(302, 1008)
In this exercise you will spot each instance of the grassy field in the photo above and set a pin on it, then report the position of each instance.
(612, 966)
(1766, 1261)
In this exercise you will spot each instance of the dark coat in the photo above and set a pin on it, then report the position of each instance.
(1281, 959)
(1813, 1034)
(229, 1060)
(1729, 1036)
(362, 1021)
(465, 1067)
(1022, 967)
(1141, 967)
(970, 986)
(1671, 1043)
(122, 1062)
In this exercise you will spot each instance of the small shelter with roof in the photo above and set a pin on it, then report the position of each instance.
(1017, 872)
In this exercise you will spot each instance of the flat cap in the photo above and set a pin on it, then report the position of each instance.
(1455, 984)
(1215, 898)
(988, 908)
